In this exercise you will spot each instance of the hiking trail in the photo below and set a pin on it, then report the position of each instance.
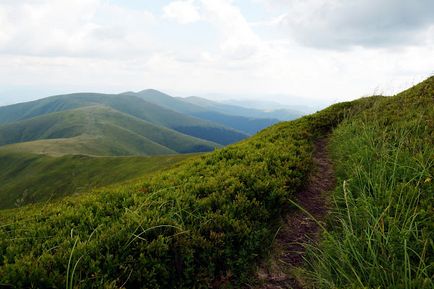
(299, 228)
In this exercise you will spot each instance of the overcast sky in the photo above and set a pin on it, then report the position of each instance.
(282, 50)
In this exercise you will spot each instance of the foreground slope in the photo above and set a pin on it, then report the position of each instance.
(96, 130)
(203, 224)
(29, 178)
(127, 104)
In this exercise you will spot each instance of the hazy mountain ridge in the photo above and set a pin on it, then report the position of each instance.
(280, 114)
(301, 106)
(248, 123)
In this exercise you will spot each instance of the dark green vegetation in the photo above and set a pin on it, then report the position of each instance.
(249, 121)
(114, 124)
(207, 221)
(382, 227)
(28, 178)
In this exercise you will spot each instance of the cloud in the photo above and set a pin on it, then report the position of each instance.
(72, 28)
(341, 24)
(237, 39)
(184, 11)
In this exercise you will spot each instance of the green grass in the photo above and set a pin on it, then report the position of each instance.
(381, 228)
(28, 178)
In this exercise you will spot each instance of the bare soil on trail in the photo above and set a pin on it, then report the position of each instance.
(298, 227)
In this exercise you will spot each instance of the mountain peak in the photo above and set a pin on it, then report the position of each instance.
(151, 91)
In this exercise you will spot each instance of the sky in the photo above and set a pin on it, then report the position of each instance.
(285, 51)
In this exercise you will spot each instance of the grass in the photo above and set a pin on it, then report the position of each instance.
(28, 178)
(381, 229)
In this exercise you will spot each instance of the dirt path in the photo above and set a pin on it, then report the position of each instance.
(298, 227)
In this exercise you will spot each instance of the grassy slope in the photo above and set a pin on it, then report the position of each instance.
(382, 230)
(108, 132)
(128, 104)
(195, 225)
(28, 178)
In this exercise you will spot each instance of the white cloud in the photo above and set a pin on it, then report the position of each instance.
(74, 28)
(184, 11)
(238, 41)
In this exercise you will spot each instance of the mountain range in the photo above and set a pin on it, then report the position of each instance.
(247, 120)
(148, 122)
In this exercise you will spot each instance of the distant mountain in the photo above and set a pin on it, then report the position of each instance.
(268, 105)
(127, 104)
(204, 110)
(166, 101)
(280, 114)
(97, 130)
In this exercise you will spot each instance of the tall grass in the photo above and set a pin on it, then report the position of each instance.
(381, 232)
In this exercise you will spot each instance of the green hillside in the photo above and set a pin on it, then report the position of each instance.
(127, 104)
(28, 178)
(97, 130)
(207, 222)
